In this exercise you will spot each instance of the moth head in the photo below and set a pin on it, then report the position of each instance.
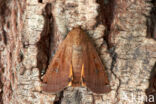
(77, 35)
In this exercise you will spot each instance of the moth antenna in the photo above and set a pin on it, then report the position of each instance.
(70, 75)
(82, 75)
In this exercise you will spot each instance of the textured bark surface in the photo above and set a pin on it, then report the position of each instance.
(31, 30)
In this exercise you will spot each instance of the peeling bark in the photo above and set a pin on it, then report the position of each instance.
(31, 30)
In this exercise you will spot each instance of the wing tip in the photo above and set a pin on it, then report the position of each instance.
(104, 89)
(49, 88)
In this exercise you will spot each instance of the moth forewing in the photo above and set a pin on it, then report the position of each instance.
(76, 63)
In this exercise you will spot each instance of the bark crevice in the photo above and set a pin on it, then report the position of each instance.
(151, 90)
(45, 40)
(151, 22)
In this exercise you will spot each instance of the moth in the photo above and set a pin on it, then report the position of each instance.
(76, 63)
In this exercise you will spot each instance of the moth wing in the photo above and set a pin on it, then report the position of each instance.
(94, 76)
(57, 75)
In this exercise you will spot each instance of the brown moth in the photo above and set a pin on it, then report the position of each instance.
(76, 63)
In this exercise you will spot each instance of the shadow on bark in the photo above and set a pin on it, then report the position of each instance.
(151, 91)
(44, 43)
(59, 99)
(106, 16)
(4, 13)
(151, 22)
(1, 85)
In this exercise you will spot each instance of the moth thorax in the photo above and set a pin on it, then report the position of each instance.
(77, 47)
(77, 60)
(77, 64)
(77, 40)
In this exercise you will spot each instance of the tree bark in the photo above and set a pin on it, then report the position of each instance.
(31, 30)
